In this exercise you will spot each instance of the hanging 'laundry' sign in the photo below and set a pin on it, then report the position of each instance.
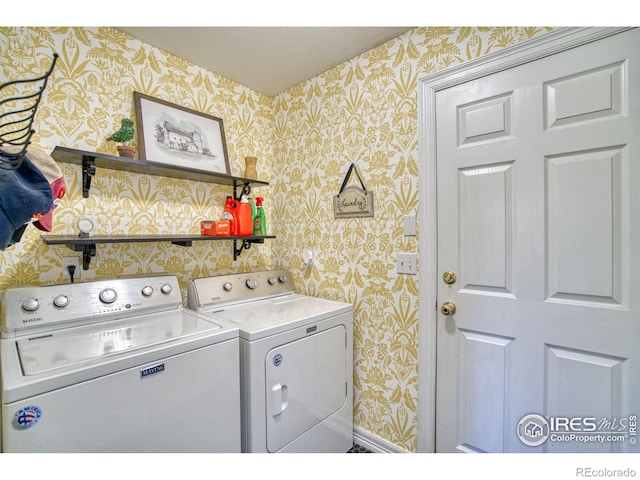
(353, 201)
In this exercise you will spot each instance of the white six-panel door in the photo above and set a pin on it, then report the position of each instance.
(538, 216)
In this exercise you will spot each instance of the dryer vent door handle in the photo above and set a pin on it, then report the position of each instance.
(279, 398)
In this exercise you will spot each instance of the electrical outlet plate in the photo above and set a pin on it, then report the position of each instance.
(66, 261)
(407, 263)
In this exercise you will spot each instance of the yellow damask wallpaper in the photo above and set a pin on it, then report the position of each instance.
(363, 111)
(89, 92)
(366, 111)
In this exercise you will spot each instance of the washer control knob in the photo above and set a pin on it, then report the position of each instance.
(252, 283)
(282, 279)
(166, 288)
(228, 286)
(272, 280)
(61, 301)
(108, 295)
(31, 304)
(147, 290)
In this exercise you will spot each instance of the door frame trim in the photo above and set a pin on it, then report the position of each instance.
(551, 43)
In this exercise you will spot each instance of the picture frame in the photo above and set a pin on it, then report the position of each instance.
(178, 136)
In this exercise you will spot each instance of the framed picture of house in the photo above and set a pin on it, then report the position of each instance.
(176, 135)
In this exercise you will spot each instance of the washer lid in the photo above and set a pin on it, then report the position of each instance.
(267, 317)
(61, 348)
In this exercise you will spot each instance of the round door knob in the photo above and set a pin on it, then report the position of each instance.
(448, 308)
(449, 277)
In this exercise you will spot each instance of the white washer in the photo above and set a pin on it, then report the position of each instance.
(296, 360)
(116, 366)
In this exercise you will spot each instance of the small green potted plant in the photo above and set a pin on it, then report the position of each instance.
(123, 136)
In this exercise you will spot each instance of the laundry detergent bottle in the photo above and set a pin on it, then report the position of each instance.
(229, 215)
(259, 220)
(244, 217)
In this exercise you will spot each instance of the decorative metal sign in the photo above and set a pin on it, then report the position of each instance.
(353, 201)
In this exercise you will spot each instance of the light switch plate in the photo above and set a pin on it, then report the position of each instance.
(409, 225)
(407, 263)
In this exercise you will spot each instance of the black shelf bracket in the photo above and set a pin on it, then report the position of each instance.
(88, 171)
(245, 244)
(246, 190)
(88, 251)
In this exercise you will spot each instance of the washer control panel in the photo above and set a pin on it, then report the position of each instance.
(236, 288)
(32, 308)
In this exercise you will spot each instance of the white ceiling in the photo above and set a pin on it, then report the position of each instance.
(266, 59)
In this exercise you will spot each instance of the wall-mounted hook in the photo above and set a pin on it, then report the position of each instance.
(309, 258)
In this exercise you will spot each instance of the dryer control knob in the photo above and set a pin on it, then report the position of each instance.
(282, 279)
(166, 288)
(61, 301)
(252, 283)
(147, 290)
(272, 280)
(31, 304)
(228, 286)
(108, 295)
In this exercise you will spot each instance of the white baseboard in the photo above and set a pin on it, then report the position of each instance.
(373, 442)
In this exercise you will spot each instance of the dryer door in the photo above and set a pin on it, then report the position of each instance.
(306, 383)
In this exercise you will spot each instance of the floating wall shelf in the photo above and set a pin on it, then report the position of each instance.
(87, 245)
(90, 161)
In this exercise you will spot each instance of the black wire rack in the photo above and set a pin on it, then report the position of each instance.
(19, 101)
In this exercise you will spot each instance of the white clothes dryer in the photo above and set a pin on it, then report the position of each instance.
(116, 366)
(296, 360)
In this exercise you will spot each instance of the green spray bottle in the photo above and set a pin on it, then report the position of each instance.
(253, 212)
(259, 221)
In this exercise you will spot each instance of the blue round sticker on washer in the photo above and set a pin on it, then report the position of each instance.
(277, 360)
(26, 417)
